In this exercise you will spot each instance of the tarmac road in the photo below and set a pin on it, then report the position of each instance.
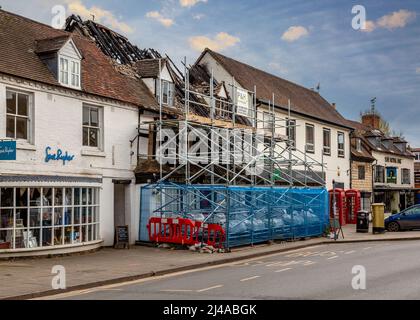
(321, 272)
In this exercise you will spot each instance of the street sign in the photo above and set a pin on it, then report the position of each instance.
(7, 150)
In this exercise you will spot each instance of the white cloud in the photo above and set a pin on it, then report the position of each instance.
(198, 16)
(190, 3)
(394, 20)
(294, 33)
(418, 70)
(101, 15)
(167, 22)
(397, 19)
(220, 42)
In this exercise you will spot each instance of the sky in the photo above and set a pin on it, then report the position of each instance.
(307, 42)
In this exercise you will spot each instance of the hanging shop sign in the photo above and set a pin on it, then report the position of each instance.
(7, 150)
(242, 102)
(391, 175)
(59, 155)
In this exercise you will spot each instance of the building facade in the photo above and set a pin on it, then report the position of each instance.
(69, 116)
(315, 127)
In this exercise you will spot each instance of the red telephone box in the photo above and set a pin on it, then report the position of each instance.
(353, 204)
(340, 205)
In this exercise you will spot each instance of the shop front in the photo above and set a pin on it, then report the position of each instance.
(395, 199)
(47, 214)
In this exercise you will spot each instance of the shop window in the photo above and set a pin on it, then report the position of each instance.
(18, 113)
(41, 217)
(92, 127)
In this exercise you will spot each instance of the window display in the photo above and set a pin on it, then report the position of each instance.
(36, 217)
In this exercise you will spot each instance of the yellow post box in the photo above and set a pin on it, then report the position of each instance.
(378, 217)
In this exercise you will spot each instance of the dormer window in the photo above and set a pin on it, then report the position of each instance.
(69, 72)
(359, 145)
(63, 59)
(168, 89)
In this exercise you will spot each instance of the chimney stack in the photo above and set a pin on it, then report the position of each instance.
(334, 105)
(372, 120)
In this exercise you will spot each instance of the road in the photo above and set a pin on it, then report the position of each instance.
(321, 272)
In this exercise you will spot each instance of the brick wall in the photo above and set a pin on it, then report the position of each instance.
(362, 185)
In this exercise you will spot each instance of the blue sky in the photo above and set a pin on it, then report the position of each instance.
(303, 41)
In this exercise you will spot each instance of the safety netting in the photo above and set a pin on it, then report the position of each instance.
(248, 215)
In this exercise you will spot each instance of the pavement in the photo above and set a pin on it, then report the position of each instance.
(31, 278)
(324, 272)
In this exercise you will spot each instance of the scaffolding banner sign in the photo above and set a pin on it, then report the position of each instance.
(242, 102)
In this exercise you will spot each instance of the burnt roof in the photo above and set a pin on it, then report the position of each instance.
(21, 39)
(303, 101)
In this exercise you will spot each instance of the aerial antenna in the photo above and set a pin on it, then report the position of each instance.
(373, 105)
(318, 87)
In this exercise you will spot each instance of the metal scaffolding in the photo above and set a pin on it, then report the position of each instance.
(238, 167)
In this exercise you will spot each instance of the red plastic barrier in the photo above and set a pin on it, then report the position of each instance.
(185, 232)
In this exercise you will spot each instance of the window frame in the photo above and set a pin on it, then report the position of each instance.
(405, 171)
(341, 152)
(29, 117)
(382, 180)
(307, 144)
(291, 132)
(170, 94)
(361, 172)
(326, 149)
(69, 72)
(99, 128)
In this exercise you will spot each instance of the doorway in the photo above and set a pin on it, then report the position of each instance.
(119, 205)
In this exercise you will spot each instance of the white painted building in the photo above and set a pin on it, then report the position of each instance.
(319, 128)
(74, 118)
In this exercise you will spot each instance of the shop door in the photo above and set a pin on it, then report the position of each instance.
(119, 205)
(403, 202)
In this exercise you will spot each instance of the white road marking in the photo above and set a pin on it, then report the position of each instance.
(251, 278)
(172, 275)
(211, 288)
(330, 258)
(367, 248)
(283, 270)
(309, 263)
(350, 252)
(175, 290)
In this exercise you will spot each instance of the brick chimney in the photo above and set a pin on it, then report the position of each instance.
(371, 120)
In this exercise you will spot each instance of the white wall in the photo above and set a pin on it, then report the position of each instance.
(406, 163)
(57, 120)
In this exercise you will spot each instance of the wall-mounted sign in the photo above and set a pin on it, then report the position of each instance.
(8, 150)
(58, 156)
(391, 175)
(393, 160)
(242, 102)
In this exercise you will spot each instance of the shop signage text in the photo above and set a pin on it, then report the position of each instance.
(58, 156)
(8, 150)
(393, 160)
(242, 102)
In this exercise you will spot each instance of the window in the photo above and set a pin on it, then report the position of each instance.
(341, 146)
(291, 133)
(406, 176)
(168, 89)
(327, 141)
(417, 156)
(37, 217)
(17, 115)
(92, 126)
(361, 172)
(69, 72)
(380, 174)
(310, 138)
(268, 121)
(359, 145)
